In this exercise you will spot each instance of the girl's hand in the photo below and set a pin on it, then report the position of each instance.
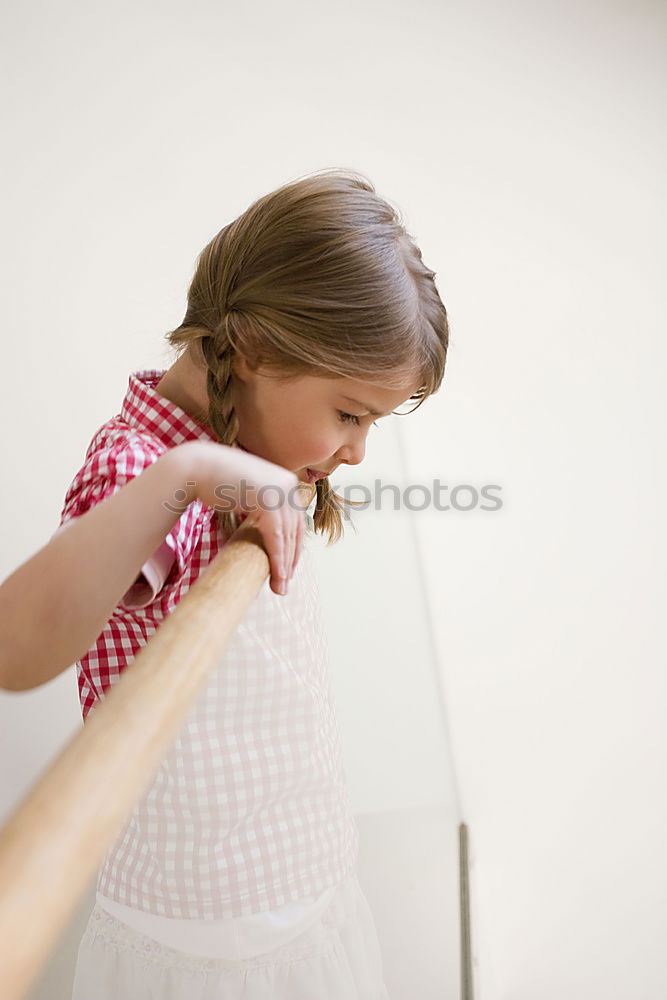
(233, 479)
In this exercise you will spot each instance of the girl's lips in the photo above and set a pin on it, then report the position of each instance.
(315, 474)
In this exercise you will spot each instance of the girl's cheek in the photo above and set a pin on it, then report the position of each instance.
(324, 445)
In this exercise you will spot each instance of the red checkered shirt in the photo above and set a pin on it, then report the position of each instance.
(249, 811)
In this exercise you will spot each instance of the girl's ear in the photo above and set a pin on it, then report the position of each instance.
(195, 353)
(240, 368)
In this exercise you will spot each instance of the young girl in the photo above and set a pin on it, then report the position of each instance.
(309, 317)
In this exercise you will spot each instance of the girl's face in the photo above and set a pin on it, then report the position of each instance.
(310, 422)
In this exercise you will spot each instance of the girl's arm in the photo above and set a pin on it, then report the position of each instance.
(58, 601)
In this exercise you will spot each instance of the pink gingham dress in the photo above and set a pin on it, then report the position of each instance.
(249, 811)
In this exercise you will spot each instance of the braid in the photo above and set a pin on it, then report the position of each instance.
(330, 512)
(222, 416)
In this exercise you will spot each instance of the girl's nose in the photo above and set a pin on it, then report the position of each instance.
(352, 453)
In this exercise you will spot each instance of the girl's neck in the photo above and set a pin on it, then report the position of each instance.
(185, 385)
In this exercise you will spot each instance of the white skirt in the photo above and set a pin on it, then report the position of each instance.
(336, 958)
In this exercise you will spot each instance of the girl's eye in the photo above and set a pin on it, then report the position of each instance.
(347, 417)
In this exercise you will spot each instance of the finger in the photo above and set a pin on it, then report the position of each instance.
(291, 528)
(290, 546)
(301, 530)
(275, 541)
(300, 527)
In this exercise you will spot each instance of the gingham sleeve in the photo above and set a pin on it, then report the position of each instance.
(108, 467)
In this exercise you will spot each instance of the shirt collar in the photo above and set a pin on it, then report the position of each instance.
(147, 410)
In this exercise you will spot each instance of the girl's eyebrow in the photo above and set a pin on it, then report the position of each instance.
(373, 413)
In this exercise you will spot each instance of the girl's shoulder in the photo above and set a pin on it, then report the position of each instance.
(117, 453)
(118, 435)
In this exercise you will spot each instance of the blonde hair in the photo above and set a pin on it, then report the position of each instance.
(318, 278)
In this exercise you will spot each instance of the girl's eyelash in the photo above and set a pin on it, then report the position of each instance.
(347, 417)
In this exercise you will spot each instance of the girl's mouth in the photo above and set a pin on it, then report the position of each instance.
(314, 474)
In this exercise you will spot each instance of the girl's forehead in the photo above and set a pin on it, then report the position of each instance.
(374, 397)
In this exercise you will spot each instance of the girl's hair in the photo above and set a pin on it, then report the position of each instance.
(316, 278)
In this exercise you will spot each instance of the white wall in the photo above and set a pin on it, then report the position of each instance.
(523, 143)
(549, 611)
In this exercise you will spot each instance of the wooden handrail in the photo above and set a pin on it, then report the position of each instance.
(59, 833)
